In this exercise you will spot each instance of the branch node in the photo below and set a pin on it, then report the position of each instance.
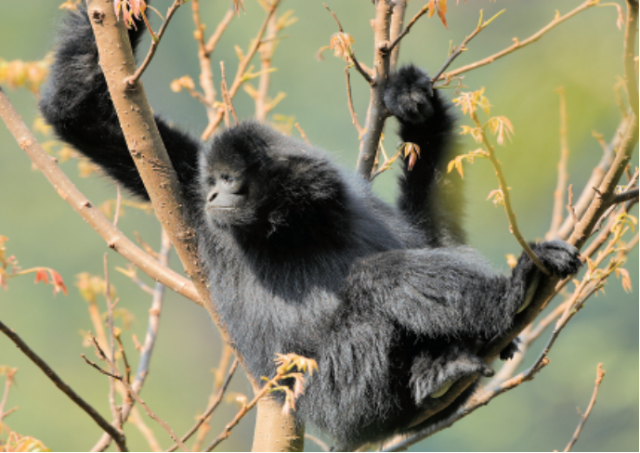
(97, 15)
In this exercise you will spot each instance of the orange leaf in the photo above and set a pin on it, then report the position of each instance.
(58, 283)
(41, 276)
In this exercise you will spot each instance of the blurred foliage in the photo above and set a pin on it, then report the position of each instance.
(582, 55)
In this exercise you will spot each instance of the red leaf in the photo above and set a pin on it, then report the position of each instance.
(41, 276)
(58, 283)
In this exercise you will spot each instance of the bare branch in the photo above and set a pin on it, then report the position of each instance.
(117, 436)
(583, 418)
(225, 95)
(266, 53)
(114, 238)
(556, 216)
(596, 177)
(153, 326)
(504, 188)
(397, 22)
(97, 367)
(5, 395)
(364, 72)
(217, 34)
(155, 41)
(302, 134)
(212, 406)
(146, 432)
(628, 56)
(377, 112)
(625, 196)
(132, 393)
(520, 44)
(404, 32)
(352, 111)
(242, 67)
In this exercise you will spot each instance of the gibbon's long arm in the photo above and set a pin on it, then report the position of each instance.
(76, 102)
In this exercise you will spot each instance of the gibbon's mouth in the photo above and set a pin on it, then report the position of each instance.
(221, 208)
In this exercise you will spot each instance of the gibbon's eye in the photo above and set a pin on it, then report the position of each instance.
(227, 179)
(211, 181)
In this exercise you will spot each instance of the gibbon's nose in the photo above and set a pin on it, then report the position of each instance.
(212, 196)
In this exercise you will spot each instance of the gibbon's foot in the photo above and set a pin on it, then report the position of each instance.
(432, 377)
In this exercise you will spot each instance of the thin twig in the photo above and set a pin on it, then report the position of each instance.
(116, 216)
(114, 238)
(212, 406)
(628, 56)
(146, 432)
(115, 413)
(625, 196)
(387, 164)
(5, 395)
(397, 23)
(404, 32)
(98, 368)
(583, 417)
(204, 58)
(352, 111)
(155, 41)
(504, 188)
(352, 56)
(558, 205)
(596, 177)
(127, 367)
(462, 47)
(302, 134)
(217, 34)
(134, 394)
(318, 442)
(570, 207)
(242, 66)
(266, 53)
(225, 95)
(150, 340)
(520, 44)
(267, 388)
(118, 437)
(377, 112)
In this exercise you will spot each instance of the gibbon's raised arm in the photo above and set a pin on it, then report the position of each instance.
(429, 197)
(76, 102)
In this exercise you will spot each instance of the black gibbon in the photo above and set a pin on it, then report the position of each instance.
(303, 258)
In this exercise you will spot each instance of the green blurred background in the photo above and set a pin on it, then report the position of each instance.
(582, 55)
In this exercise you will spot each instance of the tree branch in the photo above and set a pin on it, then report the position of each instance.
(101, 354)
(242, 67)
(212, 406)
(114, 238)
(397, 22)
(504, 188)
(377, 112)
(561, 187)
(520, 44)
(153, 325)
(117, 436)
(628, 55)
(625, 196)
(155, 42)
(583, 418)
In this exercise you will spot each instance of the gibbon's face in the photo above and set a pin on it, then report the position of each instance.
(231, 193)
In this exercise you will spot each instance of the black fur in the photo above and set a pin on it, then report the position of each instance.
(303, 258)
